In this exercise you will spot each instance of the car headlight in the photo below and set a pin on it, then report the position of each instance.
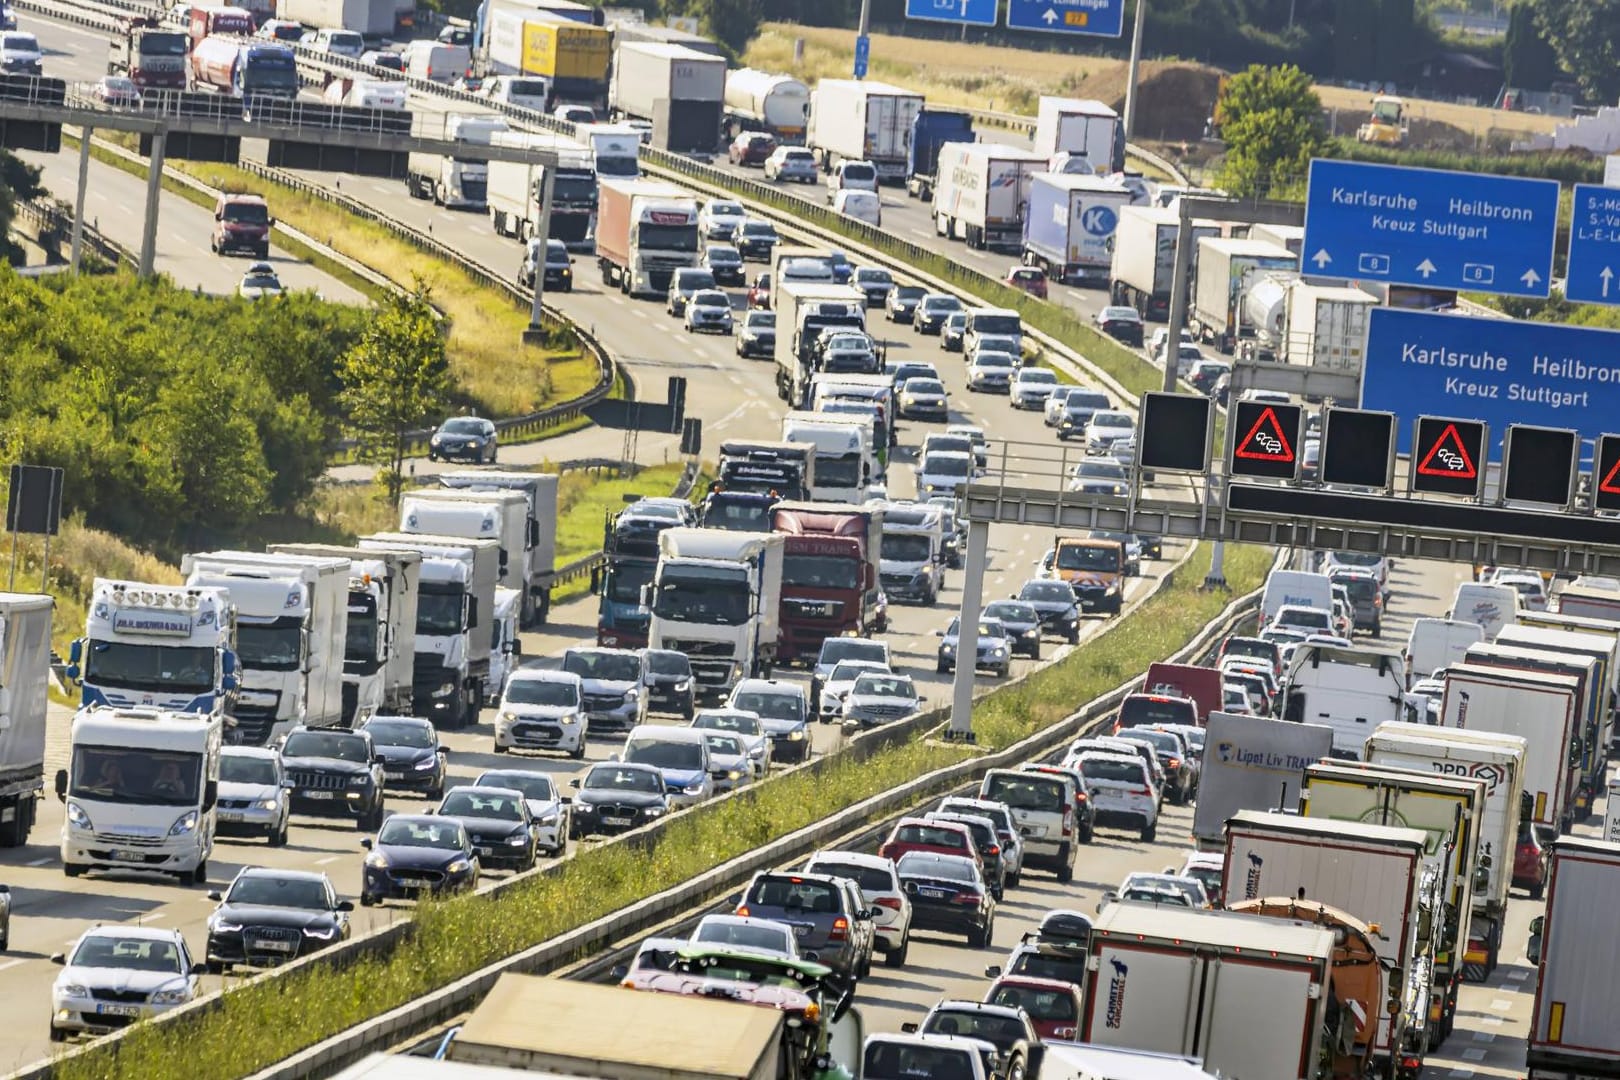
(683, 686)
(266, 804)
(508, 717)
(517, 840)
(73, 990)
(445, 689)
(734, 774)
(632, 694)
(460, 866)
(178, 995)
(654, 811)
(377, 860)
(436, 440)
(694, 789)
(426, 763)
(359, 779)
(999, 650)
(184, 823)
(323, 933)
(948, 648)
(77, 817)
(796, 734)
(1033, 631)
(548, 818)
(222, 926)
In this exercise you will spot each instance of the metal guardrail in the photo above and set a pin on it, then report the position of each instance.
(50, 216)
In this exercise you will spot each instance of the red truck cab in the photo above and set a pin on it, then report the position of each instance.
(829, 575)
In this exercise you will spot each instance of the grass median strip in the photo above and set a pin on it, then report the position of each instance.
(265, 1022)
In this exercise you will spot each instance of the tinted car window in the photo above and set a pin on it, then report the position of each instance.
(795, 893)
(1040, 1004)
(871, 879)
(1026, 794)
(933, 836)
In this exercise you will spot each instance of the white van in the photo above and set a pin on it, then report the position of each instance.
(1295, 588)
(851, 176)
(991, 322)
(1438, 643)
(860, 205)
(524, 91)
(437, 61)
(1491, 606)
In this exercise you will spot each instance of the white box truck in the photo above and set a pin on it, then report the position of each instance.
(25, 661)
(540, 494)
(846, 465)
(1325, 327)
(1450, 811)
(1604, 650)
(1225, 269)
(1539, 708)
(515, 191)
(292, 618)
(716, 596)
(1249, 996)
(1498, 760)
(678, 90)
(380, 649)
(1573, 1035)
(501, 515)
(1080, 128)
(980, 192)
(1589, 601)
(1071, 225)
(1606, 632)
(1372, 872)
(373, 18)
(862, 120)
(1252, 763)
(805, 310)
(1142, 273)
(1351, 691)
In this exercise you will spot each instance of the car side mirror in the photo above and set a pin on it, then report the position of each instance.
(1537, 924)
(345, 905)
(910, 1027)
(219, 217)
(378, 759)
(210, 794)
(734, 899)
(272, 223)
(59, 959)
(992, 971)
(61, 784)
(365, 842)
(443, 749)
(939, 633)
(216, 896)
(199, 969)
(565, 800)
(620, 971)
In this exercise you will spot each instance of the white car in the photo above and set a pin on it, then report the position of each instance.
(339, 42)
(975, 434)
(1032, 386)
(553, 815)
(842, 679)
(259, 281)
(1160, 336)
(1531, 588)
(732, 768)
(1056, 402)
(746, 932)
(709, 309)
(252, 794)
(745, 726)
(1311, 620)
(542, 710)
(1107, 427)
(942, 472)
(116, 975)
(1121, 790)
(863, 206)
(720, 217)
(992, 371)
(881, 886)
(879, 697)
(20, 54)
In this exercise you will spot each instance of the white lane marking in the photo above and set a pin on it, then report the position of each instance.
(1484, 1036)
(11, 964)
(1519, 975)
(641, 313)
(734, 413)
(328, 859)
(46, 861)
(1491, 1021)
(1475, 1055)
(1501, 1004)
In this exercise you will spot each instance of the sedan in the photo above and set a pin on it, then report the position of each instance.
(992, 371)
(1056, 401)
(412, 756)
(1022, 623)
(932, 312)
(708, 310)
(878, 697)
(730, 766)
(791, 163)
(923, 399)
(948, 893)
(902, 302)
(1030, 279)
(115, 976)
(755, 239)
(995, 650)
(259, 282)
(745, 726)
(1078, 409)
(498, 821)
(464, 438)
(875, 282)
(751, 148)
(559, 268)
(952, 331)
(252, 796)
(757, 335)
(117, 91)
(614, 797)
(271, 916)
(1054, 602)
(1004, 1033)
(719, 218)
(1032, 387)
(553, 815)
(1123, 324)
(415, 854)
(725, 262)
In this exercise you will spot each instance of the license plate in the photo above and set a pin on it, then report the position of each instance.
(129, 856)
(320, 794)
(273, 945)
(393, 776)
(118, 1010)
(933, 894)
(412, 883)
(485, 851)
(617, 821)
(232, 815)
(802, 930)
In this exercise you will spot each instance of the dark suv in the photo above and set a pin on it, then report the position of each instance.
(332, 773)
(822, 913)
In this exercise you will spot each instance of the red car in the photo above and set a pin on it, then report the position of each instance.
(1032, 279)
(751, 148)
(1053, 1005)
(759, 294)
(1530, 862)
(940, 837)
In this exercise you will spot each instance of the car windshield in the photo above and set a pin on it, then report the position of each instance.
(995, 360)
(1047, 592)
(771, 706)
(403, 832)
(1025, 793)
(758, 228)
(924, 386)
(269, 890)
(849, 670)
(663, 754)
(1040, 965)
(884, 686)
(905, 547)
(261, 281)
(1164, 742)
(242, 769)
(1040, 1004)
(726, 209)
(668, 662)
(725, 255)
(947, 464)
(1113, 420)
(1087, 401)
(1037, 377)
(868, 275)
(534, 785)
(761, 320)
(995, 1029)
(836, 649)
(1102, 768)
(883, 1060)
(463, 427)
(909, 293)
(482, 804)
(1121, 314)
(936, 302)
(605, 666)
(1010, 611)
(929, 864)
(738, 722)
(326, 744)
(401, 733)
(711, 298)
(135, 954)
(729, 745)
(1088, 557)
(986, 629)
(608, 777)
(1357, 558)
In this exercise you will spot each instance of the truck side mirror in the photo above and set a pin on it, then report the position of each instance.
(228, 662)
(61, 784)
(76, 652)
(646, 596)
(596, 580)
(472, 611)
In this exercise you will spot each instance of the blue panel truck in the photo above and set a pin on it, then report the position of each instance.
(932, 129)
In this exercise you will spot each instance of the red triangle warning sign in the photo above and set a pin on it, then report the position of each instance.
(1609, 484)
(1454, 460)
(1265, 440)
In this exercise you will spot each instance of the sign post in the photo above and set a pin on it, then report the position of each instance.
(863, 55)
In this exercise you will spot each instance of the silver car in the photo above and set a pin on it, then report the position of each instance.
(252, 794)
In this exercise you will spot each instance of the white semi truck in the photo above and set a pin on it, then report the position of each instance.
(804, 311)
(380, 650)
(1142, 274)
(716, 596)
(292, 615)
(1573, 1035)
(862, 120)
(458, 181)
(1080, 128)
(981, 190)
(1252, 763)
(25, 660)
(1225, 269)
(140, 789)
(540, 495)
(156, 646)
(645, 231)
(846, 463)
(501, 515)
(515, 191)
(1071, 225)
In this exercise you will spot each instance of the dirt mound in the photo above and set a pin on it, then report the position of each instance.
(1176, 98)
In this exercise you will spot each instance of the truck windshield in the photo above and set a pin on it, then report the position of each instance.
(667, 237)
(1082, 557)
(438, 611)
(269, 80)
(138, 776)
(841, 471)
(182, 669)
(269, 646)
(573, 189)
(625, 581)
(821, 571)
(713, 601)
(617, 165)
(162, 44)
(906, 547)
(901, 1061)
(360, 640)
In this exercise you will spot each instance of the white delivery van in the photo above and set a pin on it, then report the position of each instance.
(1437, 643)
(1491, 606)
(1298, 588)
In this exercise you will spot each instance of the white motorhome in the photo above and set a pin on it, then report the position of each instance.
(140, 789)
(25, 657)
(506, 649)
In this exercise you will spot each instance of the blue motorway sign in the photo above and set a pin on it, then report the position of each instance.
(969, 12)
(1497, 370)
(863, 55)
(1097, 18)
(1447, 230)
(1594, 246)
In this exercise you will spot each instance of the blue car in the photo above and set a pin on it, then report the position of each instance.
(415, 854)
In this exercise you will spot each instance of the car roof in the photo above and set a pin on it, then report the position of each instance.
(140, 933)
(282, 872)
(668, 733)
(423, 819)
(262, 752)
(535, 674)
(769, 686)
(488, 790)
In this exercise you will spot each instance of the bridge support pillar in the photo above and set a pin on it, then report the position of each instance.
(154, 189)
(967, 638)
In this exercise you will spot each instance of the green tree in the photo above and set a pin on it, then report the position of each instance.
(733, 23)
(394, 379)
(1585, 36)
(1528, 62)
(1271, 120)
(19, 182)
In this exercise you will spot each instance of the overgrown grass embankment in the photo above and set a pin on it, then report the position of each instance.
(267, 1022)
(79, 555)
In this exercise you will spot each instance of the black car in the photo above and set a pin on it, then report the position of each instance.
(559, 267)
(1007, 1029)
(615, 797)
(725, 262)
(1054, 602)
(902, 302)
(333, 773)
(669, 683)
(931, 313)
(1022, 622)
(497, 821)
(464, 438)
(948, 893)
(1122, 324)
(755, 240)
(269, 917)
(412, 757)
(784, 714)
(416, 854)
(1152, 546)
(987, 843)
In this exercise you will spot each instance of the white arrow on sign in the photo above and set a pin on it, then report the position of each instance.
(1426, 268)
(1321, 258)
(1607, 276)
(1530, 277)
(1050, 17)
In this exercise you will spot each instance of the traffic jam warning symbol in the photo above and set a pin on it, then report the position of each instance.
(1267, 446)
(1606, 470)
(1446, 454)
